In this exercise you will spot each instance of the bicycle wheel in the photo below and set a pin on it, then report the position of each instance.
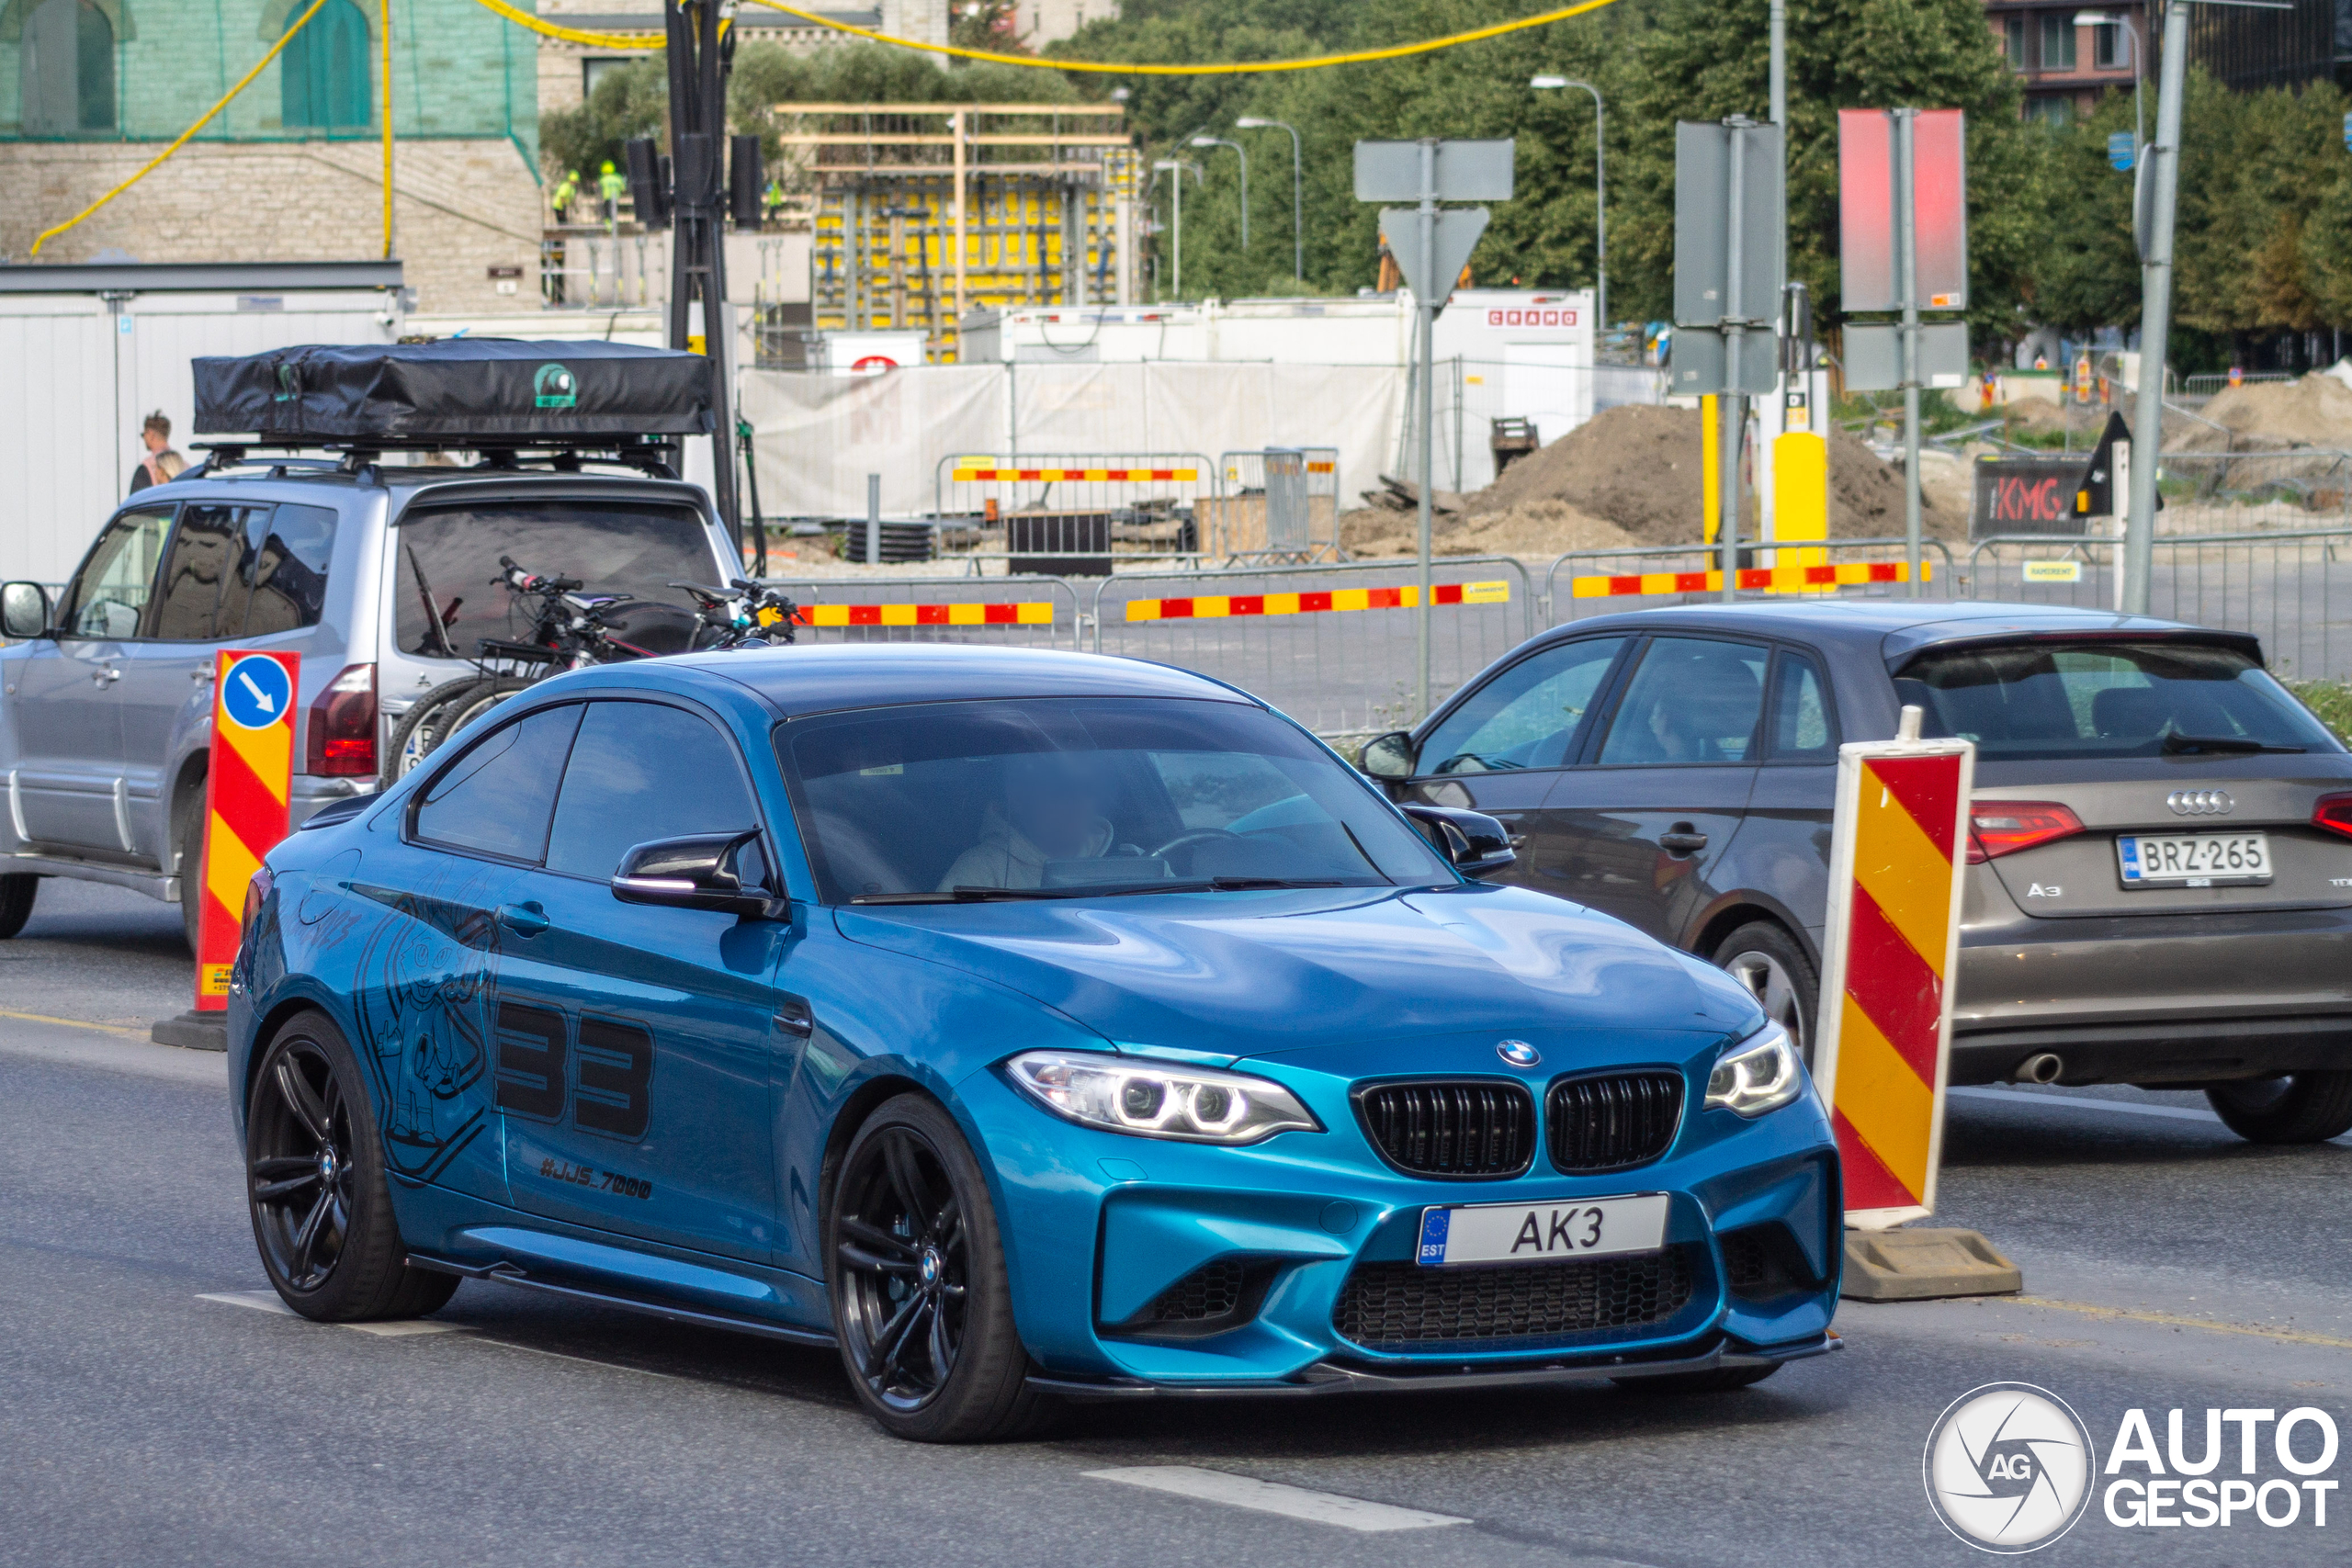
(438, 715)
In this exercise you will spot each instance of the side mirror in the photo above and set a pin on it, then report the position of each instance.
(24, 611)
(1388, 756)
(1473, 840)
(725, 871)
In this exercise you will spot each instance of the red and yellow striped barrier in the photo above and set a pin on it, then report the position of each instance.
(1780, 579)
(1898, 853)
(1039, 613)
(245, 789)
(1218, 607)
(1183, 476)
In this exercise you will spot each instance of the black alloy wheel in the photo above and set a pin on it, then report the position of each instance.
(321, 1211)
(920, 1293)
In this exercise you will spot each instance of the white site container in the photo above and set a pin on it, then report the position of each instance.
(865, 354)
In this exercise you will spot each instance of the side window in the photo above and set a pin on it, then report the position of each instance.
(204, 553)
(1694, 700)
(497, 797)
(1802, 731)
(1528, 716)
(280, 582)
(110, 596)
(641, 771)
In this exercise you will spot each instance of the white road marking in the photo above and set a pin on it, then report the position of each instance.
(2083, 1102)
(1273, 1497)
(268, 1301)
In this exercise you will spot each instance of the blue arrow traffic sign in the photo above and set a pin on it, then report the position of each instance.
(2123, 153)
(257, 693)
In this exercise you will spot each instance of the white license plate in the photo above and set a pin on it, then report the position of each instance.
(1541, 1233)
(2193, 859)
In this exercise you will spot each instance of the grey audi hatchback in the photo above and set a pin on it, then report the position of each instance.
(2160, 882)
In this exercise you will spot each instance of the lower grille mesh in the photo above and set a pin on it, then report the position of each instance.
(1213, 1289)
(1391, 1305)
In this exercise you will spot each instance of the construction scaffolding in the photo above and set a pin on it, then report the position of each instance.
(924, 212)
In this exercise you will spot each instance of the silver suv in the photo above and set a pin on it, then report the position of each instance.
(105, 696)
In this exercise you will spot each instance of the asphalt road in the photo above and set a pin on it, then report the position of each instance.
(147, 1420)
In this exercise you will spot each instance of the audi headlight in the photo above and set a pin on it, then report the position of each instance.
(1152, 1099)
(1761, 1073)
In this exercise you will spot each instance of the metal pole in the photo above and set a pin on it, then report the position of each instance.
(1599, 198)
(1241, 153)
(1297, 189)
(1907, 243)
(1731, 412)
(2156, 314)
(1425, 353)
(872, 553)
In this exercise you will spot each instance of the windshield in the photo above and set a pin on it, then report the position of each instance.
(2105, 699)
(626, 548)
(1067, 797)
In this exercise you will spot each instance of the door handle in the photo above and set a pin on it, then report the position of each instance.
(205, 674)
(106, 677)
(1682, 839)
(523, 919)
(793, 1017)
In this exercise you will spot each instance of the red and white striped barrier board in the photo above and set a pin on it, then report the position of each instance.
(1218, 607)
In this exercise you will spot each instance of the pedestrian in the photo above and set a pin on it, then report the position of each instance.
(161, 465)
(565, 192)
(609, 185)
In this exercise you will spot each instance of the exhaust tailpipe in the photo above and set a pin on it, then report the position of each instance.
(2042, 1066)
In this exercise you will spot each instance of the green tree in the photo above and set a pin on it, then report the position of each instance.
(630, 101)
(2086, 272)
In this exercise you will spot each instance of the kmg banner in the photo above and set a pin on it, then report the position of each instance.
(245, 801)
(1898, 851)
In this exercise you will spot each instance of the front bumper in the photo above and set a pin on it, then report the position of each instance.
(1098, 1226)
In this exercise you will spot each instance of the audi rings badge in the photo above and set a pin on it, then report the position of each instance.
(2200, 803)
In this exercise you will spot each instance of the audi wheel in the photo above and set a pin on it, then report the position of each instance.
(1767, 961)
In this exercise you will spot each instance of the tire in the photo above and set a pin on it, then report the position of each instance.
(188, 832)
(1722, 1380)
(438, 715)
(1765, 959)
(914, 1265)
(314, 1186)
(17, 891)
(2301, 1107)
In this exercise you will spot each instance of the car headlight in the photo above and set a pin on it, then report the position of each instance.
(1152, 1099)
(1761, 1073)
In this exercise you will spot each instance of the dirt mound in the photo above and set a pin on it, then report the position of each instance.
(1641, 468)
(2270, 416)
(1535, 530)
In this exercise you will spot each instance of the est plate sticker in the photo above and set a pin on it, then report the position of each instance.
(1541, 1233)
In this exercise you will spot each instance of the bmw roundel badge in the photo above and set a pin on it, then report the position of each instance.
(1518, 1054)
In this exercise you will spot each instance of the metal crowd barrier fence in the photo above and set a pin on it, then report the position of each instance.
(1605, 582)
(585, 269)
(2208, 385)
(999, 612)
(2280, 585)
(1332, 645)
(1061, 509)
(1280, 504)
(2228, 492)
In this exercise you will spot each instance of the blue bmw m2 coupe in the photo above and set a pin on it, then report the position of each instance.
(1027, 1026)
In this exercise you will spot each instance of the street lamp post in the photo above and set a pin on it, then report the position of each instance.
(1600, 200)
(1244, 157)
(1177, 167)
(1298, 191)
(2131, 36)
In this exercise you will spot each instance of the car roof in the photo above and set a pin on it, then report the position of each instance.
(1893, 629)
(824, 679)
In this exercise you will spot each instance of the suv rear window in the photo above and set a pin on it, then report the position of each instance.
(2105, 699)
(611, 547)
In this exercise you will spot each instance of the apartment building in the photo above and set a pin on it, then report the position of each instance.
(2070, 54)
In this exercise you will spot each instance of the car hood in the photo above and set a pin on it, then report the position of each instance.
(1237, 974)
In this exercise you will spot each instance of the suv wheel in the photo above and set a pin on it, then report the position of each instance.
(922, 1299)
(17, 892)
(314, 1183)
(1767, 961)
(2301, 1107)
(438, 715)
(187, 831)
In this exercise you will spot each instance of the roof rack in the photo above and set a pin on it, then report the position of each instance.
(654, 458)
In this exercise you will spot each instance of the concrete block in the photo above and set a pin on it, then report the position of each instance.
(1921, 1265)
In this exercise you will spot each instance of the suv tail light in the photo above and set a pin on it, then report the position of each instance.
(2334, 812)
(1998, 828)
(343, 726)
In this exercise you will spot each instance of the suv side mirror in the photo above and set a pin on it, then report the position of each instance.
(1388, 756)
(1473, 840)
(725, 871)
(24, 611)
